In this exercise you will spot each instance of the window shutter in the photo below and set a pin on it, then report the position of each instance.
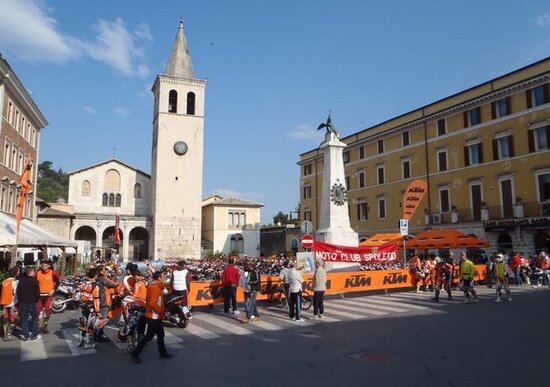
(511, 145)
(495, 149)
(546, 92)
(547, 136)
(466, 156)
(528, 96)
(494, 110)
(465, 115)
(508, 105)
(531, 138)
(480, 153)
(480, 120)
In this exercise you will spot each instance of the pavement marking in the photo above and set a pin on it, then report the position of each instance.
(367, 302)
(33, 350)
(331, 310)
(70, 336)
(358, 307)
(200, 332)
(388, 301)
(265, 325)
(420, 300)
(170, 338)
(112, 334)
(284, 317)
(226, 326)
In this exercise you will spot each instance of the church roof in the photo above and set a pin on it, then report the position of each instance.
(179, 64)
(220, 201)
(108, 161)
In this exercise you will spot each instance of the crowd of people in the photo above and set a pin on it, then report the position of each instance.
(434, 273)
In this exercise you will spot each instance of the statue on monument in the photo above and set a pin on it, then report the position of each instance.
(330, 126)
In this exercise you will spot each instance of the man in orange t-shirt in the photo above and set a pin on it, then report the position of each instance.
(48, 281)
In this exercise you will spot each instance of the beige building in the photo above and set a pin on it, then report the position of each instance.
(20, 128)
(484, 152)
(230, 226)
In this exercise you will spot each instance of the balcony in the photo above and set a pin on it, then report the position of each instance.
(493, 213)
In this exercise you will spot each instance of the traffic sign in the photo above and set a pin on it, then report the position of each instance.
(306, 226)
(307, 241)
(404, 226)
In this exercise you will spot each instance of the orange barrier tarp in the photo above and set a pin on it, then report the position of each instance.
(382, 239)
(444, 239)
(208, 293)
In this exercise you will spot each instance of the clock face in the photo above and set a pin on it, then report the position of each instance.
(180, 148)
(338, 194)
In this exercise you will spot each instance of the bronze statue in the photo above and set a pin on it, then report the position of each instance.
(330, 126)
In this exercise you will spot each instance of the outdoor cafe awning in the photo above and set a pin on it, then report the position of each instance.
(444, 239)
(382, 239)
(30, 234)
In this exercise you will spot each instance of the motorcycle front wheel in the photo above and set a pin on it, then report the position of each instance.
(58, 304)
(182, 322)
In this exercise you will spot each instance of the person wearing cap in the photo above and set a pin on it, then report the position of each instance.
(319, 288)
(442, 275)
(467, 273)
(502, 278)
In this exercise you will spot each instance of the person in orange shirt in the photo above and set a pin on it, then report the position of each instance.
(48, 281)
(154, 314)
(135, 309)
(8, 302)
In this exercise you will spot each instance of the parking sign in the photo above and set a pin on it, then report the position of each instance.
(404, 226)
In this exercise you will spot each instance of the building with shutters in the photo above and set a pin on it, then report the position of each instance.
(484, 152)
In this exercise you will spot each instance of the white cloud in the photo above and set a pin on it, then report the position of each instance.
(120, 111)
(306, 132)
(31, 33)
(543, 19)
(89, 109)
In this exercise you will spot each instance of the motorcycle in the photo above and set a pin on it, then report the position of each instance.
(67, 292)
(177, 312)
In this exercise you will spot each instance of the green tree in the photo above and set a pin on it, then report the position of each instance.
(281, 218)
(52, 184)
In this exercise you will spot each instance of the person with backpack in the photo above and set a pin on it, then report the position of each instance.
(8, 302)
(254, 283)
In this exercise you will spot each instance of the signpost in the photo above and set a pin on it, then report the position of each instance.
(404, 230)
(307, 241)
(306, 226)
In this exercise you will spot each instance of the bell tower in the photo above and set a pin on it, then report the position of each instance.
(177, 156)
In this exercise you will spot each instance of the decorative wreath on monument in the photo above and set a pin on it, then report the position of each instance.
(338, 193)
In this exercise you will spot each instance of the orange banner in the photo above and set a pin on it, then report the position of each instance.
(412, 197)
(208, 293)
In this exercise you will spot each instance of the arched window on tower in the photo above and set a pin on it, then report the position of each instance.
(191, 103)
(85, 188)
(137, 190)
(173, 101)
(105, 201)
(118, 200)
(111, 200)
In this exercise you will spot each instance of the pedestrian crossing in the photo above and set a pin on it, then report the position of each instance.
(208, 326)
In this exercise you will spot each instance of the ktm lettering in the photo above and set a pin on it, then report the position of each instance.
(416, 190)
(209, 293)
(394, 278)
(357, 281)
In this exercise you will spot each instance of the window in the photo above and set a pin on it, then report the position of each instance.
(33, 139)
(406, 168)
(501, 108)
(307, 192)
(307, 215)
(10, 111)
(118, 200)
(237, 243)
(105, 200)
(441, 127)
(85, 188)
(476, 198)
(361, 178)
(307, 169)
(380, 146)
(473, 153)
(381, 207)
(230, 219)
(362, 210)
(539, 138)
(137, 190)
(345, 156)
(7, 152)
(472, 117)
(442, 160)
(173, 101)
(537, 96)
(506, 188)
(191, 103)
(347, 182)
(543, 185)
(503, 146)
(111, 200)
(13, 157)
(243, 219)
(380, 173)
(112, 181)
(444, 199)
(16, 121)
(362, 152)
(405, 138)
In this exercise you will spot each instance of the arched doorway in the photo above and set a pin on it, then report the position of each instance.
(542, 241)
(236, 244)
(504, 243)
(138, 248)
(108, 242)
(85, 233)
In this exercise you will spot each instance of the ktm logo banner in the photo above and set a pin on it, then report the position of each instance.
(412, 197)
(334, 253)
(209, 293)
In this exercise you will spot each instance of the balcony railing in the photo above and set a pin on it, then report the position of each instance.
(515, 211)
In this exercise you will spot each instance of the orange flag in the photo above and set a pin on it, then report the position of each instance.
(25, 181)
(412, 197)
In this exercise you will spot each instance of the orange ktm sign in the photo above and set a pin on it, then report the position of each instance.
(412, 197)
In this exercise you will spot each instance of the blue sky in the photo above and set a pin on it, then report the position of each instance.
(274, 69)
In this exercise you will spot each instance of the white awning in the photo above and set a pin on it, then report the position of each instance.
(30, 234)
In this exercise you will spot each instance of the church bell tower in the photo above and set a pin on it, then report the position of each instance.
(177, 156)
